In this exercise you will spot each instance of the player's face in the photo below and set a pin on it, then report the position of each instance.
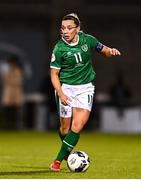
(69, 30)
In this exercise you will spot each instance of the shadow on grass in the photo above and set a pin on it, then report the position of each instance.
(31, 172)
(24, 172)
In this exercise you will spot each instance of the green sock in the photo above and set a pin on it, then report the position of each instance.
(68, 144)
(61, 136)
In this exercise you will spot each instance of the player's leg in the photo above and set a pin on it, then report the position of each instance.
(65, 113)
(65, 122)
(82, 105)
(80, 118)
(63, 131)
(64, 127)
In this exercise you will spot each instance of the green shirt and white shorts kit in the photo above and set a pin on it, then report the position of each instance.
(76, 71)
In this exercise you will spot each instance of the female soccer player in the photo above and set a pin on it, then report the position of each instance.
(72, 76)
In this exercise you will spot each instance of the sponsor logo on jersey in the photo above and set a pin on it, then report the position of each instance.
(84, 48)
(69, 53)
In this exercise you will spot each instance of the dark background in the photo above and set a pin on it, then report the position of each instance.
(33, 27)
(30, 29)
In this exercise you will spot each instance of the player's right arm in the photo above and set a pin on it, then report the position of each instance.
(55, 66)
(57, 85)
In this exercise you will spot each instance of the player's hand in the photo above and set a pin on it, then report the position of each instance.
(114, 52)
(65, 100)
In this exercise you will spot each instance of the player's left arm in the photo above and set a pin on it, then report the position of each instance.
(109, 52)
(101, 48)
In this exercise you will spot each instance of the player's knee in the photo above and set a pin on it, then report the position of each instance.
(76, 127)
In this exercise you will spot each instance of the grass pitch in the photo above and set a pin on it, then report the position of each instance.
(27, 155)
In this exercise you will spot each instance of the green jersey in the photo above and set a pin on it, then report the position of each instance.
(75, 61)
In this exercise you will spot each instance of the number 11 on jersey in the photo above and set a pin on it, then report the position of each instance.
(78, 57)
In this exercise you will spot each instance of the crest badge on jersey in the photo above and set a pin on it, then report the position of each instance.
(84, 47)
(52, 58)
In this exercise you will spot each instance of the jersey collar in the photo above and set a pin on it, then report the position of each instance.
(71, 44)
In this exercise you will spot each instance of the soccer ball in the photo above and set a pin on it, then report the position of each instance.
(78, 161)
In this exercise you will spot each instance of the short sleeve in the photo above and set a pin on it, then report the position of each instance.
(56, 59)
(94, 42)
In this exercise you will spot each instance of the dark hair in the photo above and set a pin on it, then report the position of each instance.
(73, 17)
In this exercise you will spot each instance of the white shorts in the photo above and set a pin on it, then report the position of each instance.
(81, 97)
